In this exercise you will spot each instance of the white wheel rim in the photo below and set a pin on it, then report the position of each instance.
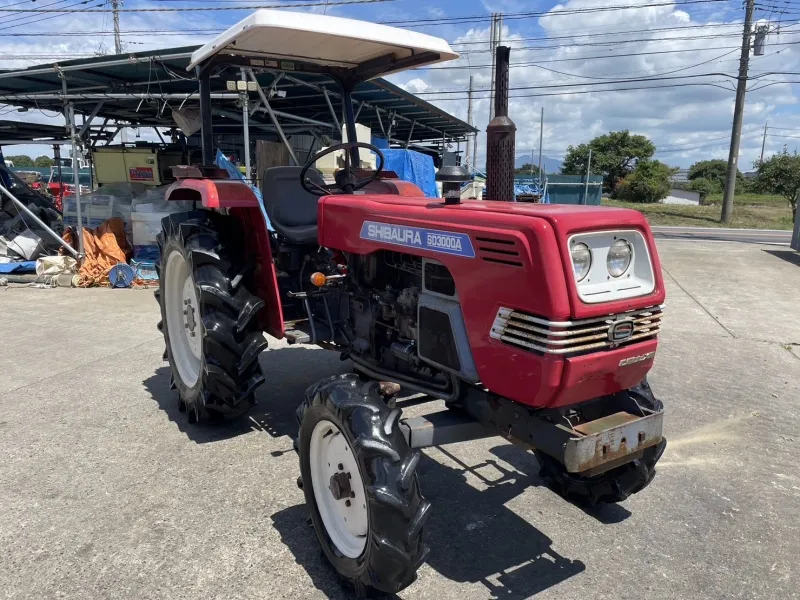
(183, 318)
(347, 526)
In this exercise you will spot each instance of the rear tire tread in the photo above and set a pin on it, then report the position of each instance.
(231, 338)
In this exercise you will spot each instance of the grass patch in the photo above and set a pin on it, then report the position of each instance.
(745, 216)
(750, 200)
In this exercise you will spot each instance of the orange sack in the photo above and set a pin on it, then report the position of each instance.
(104, 247)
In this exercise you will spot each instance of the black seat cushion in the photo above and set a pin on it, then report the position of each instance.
(291, 210)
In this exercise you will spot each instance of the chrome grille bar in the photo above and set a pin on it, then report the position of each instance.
(570, 337)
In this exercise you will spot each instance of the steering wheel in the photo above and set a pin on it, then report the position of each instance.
(346, 180)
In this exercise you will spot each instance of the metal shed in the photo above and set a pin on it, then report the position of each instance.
(140, 89)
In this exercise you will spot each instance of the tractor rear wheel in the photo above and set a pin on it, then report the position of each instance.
(208, 317)
(359, 480)
(617, 484)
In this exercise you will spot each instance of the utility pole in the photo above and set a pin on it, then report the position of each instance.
(738, 114)
(763, 143)
(588, 170)
(495, 38)
(469, 121)
(531, 162)
(115, 12)
(492, 32)
(541, 141)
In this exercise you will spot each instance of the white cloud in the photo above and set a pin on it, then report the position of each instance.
(689, 122)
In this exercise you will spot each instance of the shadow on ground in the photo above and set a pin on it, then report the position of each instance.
(789, 256)
(474, 538)
(288, 372)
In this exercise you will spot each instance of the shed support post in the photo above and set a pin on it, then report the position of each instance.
(380, 123)
(206, 132)
(410, 133)
(88, 121)
(274, 118)
(69, 115)
(40, 223)
(246, 127)
(333, 112)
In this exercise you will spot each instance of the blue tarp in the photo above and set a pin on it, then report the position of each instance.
(414, 167)
(28, 266)
(224, 163)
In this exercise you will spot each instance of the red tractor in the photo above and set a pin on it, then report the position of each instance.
(537, 323)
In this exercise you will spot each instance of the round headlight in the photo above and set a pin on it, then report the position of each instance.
(619, 258)
(581, 260)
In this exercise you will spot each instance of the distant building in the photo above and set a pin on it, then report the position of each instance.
(677, 196)
(680, 176)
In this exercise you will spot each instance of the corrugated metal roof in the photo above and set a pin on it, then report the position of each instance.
(153, 73)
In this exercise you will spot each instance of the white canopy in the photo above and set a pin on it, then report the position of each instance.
(326, 41)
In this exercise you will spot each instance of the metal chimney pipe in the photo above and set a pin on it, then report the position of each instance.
(501, 136)
(501, 75)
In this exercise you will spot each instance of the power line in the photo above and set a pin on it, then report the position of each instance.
(608, 33)
(579, 92)
(11, 17)
(604, 56)
(209, 8)
(67, 9)
(615, 42)
(550, 13)
(686, 68)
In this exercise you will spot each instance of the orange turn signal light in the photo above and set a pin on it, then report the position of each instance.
(318, 279)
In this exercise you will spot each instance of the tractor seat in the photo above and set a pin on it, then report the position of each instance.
(291, 210)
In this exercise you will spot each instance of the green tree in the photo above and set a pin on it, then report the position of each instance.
(614, 155)
(21, 160)
(526, 169)
(649, 182)
(714, 170)
(780, 174)
(705, 186)
(43, 161)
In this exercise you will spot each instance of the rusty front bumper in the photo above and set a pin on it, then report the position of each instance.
(607, 442)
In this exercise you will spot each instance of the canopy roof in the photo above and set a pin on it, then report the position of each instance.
(15, 131)
(366, 49)
(143, 88)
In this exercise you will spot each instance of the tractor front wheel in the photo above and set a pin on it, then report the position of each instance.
(207, 315)
(359, 480)
(617, 484)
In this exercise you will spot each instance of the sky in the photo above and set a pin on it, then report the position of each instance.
(577, 59)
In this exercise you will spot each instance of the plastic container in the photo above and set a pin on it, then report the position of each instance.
(145, 270)
(145, 227)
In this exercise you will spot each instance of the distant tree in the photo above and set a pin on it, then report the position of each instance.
(780, 174)
(705, 186)
(649, 182)
(21, 160)
(715, 170)
(527, 169)
(614, 155)
(43, 161)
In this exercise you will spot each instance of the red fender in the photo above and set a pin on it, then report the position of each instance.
(214, 193)
(238, 196)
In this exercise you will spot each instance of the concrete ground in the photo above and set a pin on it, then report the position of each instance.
(106, 492)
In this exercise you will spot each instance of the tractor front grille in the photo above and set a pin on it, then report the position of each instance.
(575, 337)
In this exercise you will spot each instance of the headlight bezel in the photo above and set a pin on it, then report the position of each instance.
(598, 287)
(616, 274)
(590, 255)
